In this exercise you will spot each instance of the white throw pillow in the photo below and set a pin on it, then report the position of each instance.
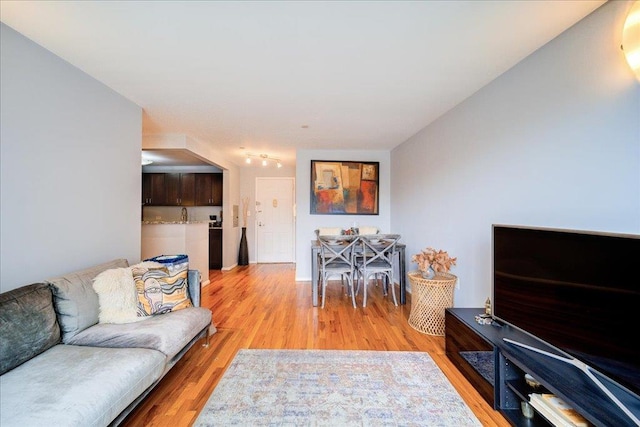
(117, 294)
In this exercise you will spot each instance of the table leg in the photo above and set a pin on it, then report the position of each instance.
(314, 277)
(403, 277)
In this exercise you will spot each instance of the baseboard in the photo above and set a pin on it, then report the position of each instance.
(229, 268)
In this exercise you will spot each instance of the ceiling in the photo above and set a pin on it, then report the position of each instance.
(276, 76)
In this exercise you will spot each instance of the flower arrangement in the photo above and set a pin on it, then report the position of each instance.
(438, 261)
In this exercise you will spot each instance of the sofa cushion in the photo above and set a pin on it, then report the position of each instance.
(75, 300)
(161, 290)
(77, 386)
(28, 324)
(167, 333)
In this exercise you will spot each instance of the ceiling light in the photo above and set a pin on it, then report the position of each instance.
(631, 38)
(265, 159)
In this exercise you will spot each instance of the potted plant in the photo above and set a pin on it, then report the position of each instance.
(431, 262)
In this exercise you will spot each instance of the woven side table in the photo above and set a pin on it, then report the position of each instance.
(429, 298)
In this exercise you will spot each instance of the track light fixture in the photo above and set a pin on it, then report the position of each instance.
(265, 159)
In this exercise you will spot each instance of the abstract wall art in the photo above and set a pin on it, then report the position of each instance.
(344, 187)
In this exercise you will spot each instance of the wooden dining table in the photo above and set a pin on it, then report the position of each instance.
(315, 283)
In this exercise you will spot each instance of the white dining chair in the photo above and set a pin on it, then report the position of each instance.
(336, 259)
(376, 258)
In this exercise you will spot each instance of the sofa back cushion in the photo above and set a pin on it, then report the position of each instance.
(75, 300)
(28, 324)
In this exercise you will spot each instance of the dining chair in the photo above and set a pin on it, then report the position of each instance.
(376, 258)
(336, 259)
(366, 231)
(326, 231)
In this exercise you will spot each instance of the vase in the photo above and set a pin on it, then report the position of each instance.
(243, 252)
(428, 273)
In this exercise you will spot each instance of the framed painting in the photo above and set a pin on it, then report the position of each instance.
(344, 188)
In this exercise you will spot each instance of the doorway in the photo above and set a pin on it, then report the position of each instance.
(275, 220)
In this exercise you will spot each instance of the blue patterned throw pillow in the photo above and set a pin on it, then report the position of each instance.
(159, 291)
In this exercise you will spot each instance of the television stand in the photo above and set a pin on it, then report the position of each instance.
(584, 368)
(512, 361)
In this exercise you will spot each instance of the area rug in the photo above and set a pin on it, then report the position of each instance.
(334, 388)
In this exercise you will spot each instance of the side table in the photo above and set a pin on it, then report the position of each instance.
(429, 299)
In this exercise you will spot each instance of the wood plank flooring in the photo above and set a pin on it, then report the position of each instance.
(261, 306)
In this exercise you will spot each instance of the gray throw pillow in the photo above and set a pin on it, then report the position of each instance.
(28, 324)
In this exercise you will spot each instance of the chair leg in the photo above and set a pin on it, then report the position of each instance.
(353, 294)
(393, 290)
(365, 281)
(324, 289)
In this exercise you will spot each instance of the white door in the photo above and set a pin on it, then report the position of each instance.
(275, 220)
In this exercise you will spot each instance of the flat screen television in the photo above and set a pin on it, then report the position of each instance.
(578, 291)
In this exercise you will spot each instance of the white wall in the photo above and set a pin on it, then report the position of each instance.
(307, 223)
(553, 142)
(70, 167)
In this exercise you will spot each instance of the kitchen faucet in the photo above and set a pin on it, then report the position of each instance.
(183, 215)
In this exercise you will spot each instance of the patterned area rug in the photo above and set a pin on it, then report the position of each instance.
(334, 388)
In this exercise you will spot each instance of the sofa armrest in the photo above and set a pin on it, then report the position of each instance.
(193, 282)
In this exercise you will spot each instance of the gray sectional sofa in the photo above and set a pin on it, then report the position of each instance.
(60, 367)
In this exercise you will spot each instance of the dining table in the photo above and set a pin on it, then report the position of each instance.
(399, 251)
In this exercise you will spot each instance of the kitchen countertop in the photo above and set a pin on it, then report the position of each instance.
(173, 222)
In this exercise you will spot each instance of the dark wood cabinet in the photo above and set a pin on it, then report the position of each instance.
(182, 189)
(172, 189)
(216, 189)
(153, 189)
(168, 189)
(215, 249)
(468, 350)
(208, 189)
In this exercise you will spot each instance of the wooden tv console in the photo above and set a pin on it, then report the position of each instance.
(473, 348)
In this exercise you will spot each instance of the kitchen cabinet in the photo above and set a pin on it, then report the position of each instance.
(180, 189)
(208, 189)
(153, 189)
(215, 248)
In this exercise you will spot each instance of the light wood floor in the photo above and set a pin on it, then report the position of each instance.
(261, 306)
